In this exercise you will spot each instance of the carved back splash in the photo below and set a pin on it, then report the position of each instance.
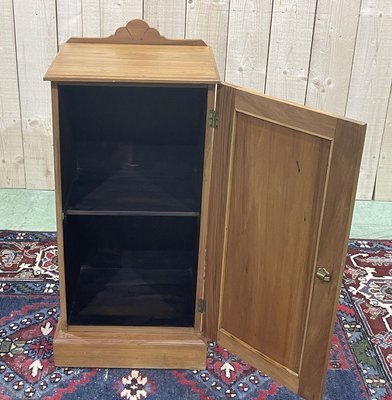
(138, 31)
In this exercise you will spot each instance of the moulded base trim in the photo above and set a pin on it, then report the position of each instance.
(128, 350)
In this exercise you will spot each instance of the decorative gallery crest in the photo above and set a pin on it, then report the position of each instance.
(138, 31)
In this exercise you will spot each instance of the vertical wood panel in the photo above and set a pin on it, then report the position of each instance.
(11, 142)
(247, 52)
(238, 31)
(332, 54)
(331, 253)
(221, 148)
(168, 16)
(208, 20)
(290, 43)
(370, 84)
(91, 18)
(69, 19)
(36, 40)
(117, 13)
(276, 189)
(383, 190)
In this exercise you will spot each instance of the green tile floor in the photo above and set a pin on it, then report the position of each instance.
(30, 210)
(34, 210)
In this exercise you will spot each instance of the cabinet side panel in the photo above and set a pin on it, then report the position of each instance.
(206, 188)
(59, 219)
(217, 207)
(339, 202)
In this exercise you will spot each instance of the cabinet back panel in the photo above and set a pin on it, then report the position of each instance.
(166, 115)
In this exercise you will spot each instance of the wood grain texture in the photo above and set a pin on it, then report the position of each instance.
(217, 207)
(283, 375)
(35, 27)
(168, 16)
(12, 174)
(286, 113)
(126, 350)
(118, 13)
(370, 84)
(247, 49)
(332, 54)
(205, 215)
(339, 203)
(276, 184)
(289, 52)
(258, 193)
(101, 62)
(135, 346)
(69, 19)
(208, 19)
(59, 205)
(383, 189)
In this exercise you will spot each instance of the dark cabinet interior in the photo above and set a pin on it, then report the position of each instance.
(131, 270)
(132, 164)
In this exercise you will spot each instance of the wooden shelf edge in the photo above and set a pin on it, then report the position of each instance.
(119, 350)
(133, 330)
(61, 79)
(133, 213)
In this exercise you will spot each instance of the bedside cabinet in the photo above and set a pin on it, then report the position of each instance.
(188, 208)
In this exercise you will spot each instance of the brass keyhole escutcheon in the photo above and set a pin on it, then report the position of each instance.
(323, 274)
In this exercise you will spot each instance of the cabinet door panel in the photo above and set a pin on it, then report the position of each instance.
(286, 201)
(272, 226)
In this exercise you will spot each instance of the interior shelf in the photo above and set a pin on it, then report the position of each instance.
(133, 190)
(142, 297)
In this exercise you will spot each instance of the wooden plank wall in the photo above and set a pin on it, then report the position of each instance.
(330, 54)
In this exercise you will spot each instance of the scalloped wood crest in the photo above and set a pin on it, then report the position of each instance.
(138, 31)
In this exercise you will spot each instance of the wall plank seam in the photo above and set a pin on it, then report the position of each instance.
(329, 54)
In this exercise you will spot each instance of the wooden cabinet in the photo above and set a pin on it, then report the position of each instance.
(189, 209)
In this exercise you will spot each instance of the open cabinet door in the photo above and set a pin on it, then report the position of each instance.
(283, 186)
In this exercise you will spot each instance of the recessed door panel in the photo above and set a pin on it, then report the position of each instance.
(277, 183)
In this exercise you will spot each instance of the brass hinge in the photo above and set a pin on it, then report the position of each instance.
(212, 119)
(201, 306)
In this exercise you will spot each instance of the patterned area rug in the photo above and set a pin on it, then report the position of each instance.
(361, 355)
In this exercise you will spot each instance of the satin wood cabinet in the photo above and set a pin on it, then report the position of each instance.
(188, 208)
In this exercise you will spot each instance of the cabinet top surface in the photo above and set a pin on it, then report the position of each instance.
(108, 62)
